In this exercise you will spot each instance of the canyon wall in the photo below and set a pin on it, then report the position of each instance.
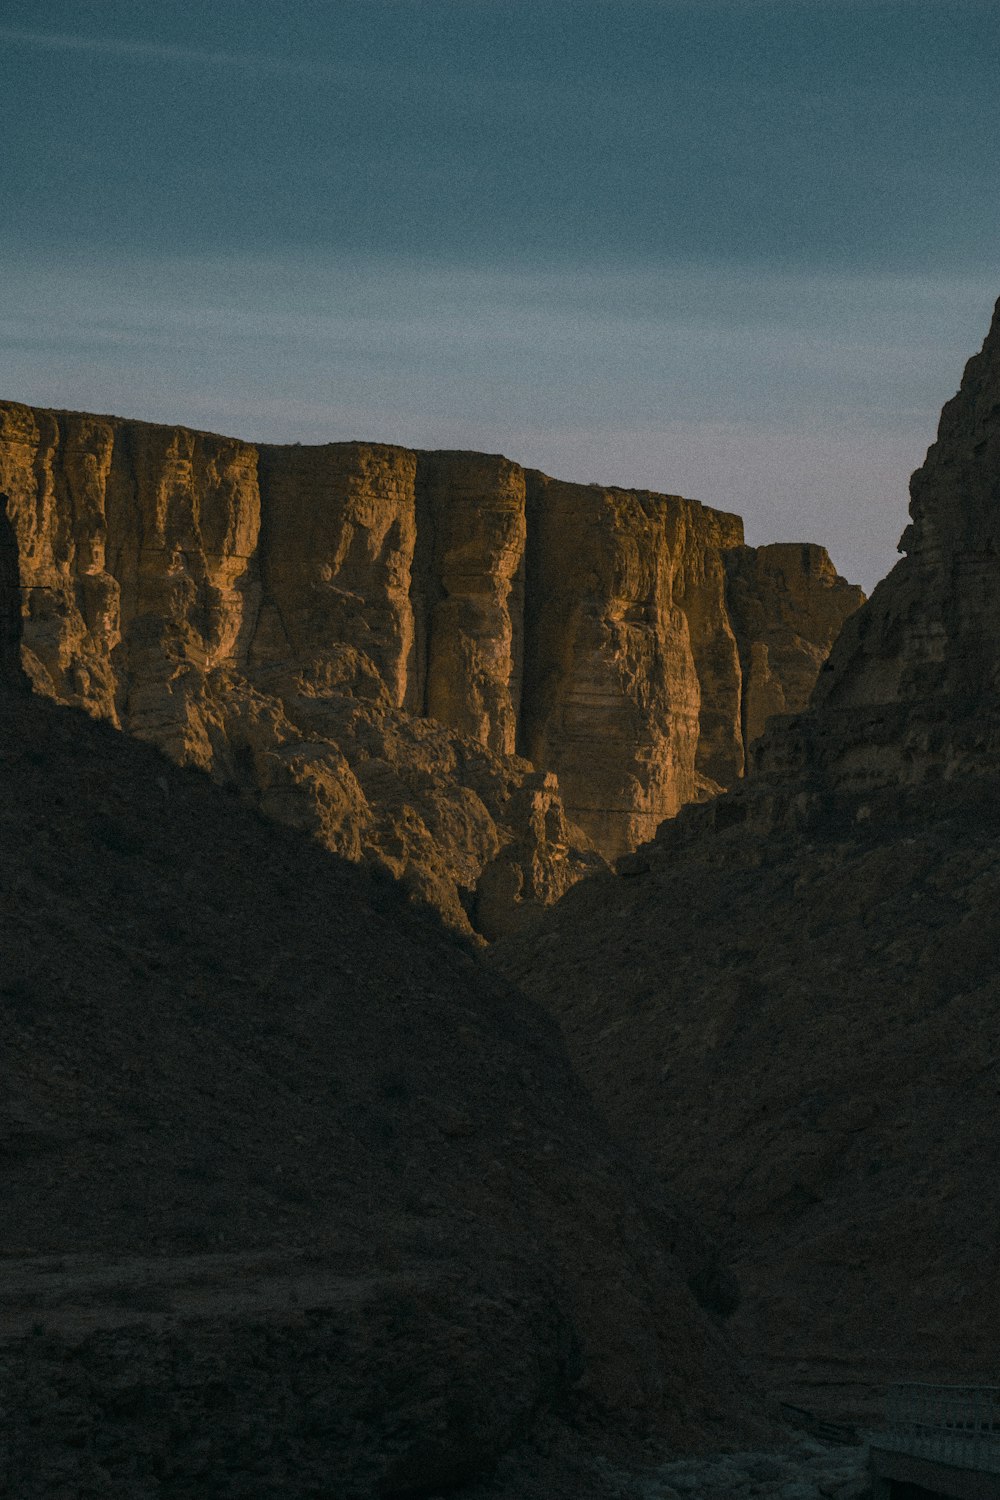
(787, 1001)
(911, 691)
(483, 679)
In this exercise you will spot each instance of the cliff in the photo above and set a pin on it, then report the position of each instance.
(481, 679)
(787, 1002)
(911, 693)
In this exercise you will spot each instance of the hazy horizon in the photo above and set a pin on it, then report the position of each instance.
(739, 251)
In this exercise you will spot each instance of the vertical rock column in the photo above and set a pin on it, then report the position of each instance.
(53, 473)
(337, 544)
(12, 678)
(471, 531)
(611, 697)
(184, 511)
(788, 604)
(700, 588)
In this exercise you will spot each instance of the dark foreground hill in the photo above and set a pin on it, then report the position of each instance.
(802, 1034)
(790, 1001)
(295, 1198)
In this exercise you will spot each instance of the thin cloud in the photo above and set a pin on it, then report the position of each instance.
(166, 52)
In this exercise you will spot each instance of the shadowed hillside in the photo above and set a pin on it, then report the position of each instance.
(788, 1002)
(296, 1198)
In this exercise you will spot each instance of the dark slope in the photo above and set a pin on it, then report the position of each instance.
(790, 1001)
(295, 1198)
(802, 1035)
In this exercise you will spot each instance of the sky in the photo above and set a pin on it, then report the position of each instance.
(734, 249)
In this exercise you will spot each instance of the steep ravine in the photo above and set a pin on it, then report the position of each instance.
(480, 678)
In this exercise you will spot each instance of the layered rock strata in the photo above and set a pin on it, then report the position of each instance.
(787, 1001)
(478, 677)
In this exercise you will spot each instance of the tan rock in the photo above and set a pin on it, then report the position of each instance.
(612, 699)
(787, 604)
(911, 691)
(12, 677)
(335, 557)
(395, 650)
(470, 582)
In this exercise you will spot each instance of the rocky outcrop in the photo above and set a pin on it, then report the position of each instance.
(296, 1197)
(787, 607)
(12, 677)
(911, 693)
(931, 634)
(479, 678)
(624, 585)
(787, 1001)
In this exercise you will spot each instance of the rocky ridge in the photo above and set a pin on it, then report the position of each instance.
(479, 678)
(788, 1000)
(910, 694)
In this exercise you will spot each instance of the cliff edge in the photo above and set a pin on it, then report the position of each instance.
(479, 678)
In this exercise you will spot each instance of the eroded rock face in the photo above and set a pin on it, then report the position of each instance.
(932, 630)
(482, 679)
(787, 606)
(469, 596)
(612, 698)
(787, 1002)
(912, 691)
(12, 678)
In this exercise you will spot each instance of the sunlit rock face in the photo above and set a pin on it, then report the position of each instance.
(613, 699)
(787, 606)
(12, 678)
(480, 678)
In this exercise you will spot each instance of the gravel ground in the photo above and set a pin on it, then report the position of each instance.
(557, 1465)
(808, 1471)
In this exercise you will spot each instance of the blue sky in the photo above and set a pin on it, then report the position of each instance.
(734, 250)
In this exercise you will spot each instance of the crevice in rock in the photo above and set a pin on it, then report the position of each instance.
(730, 563)
(12, 675)
(426, 590)
(123, 514)
(266, 601)
(527, 706)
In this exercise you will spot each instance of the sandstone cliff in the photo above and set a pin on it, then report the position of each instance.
(788, 1000)
(477, 677)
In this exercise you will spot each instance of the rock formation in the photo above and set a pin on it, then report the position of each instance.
(12, 677)
(476, 677)
(787, 1002)
(911, 693)
(296, 1198)
(787, 611)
